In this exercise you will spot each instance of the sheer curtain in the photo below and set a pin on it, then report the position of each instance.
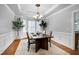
(33, 26)
(30, 26)
(23, 30)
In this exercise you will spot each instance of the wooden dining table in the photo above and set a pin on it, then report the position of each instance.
(41, 41)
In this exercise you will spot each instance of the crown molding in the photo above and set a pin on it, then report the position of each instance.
(9, 8)
(63, 9)
(19, 7)
(49, 11)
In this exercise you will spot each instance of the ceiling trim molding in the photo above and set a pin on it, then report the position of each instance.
(19, 7)
(49, 11)
(76, 10)
(9, 9)
(63, 9)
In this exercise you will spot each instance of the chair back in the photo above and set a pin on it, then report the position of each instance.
(27, 35)
(51, 33)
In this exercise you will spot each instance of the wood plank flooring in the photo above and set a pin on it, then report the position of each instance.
(12, 48)
(72, 52)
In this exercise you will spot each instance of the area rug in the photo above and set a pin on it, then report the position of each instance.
(22, 50)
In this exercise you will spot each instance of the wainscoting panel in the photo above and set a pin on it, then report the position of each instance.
(64, 38)
(5, 40)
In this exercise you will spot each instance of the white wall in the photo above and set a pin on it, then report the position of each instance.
(7, 35)
(61, 23)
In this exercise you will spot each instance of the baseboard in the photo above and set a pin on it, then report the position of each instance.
(5, 40)
(65, 48)
(64, 38)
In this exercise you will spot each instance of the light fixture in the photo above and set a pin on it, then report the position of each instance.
(37, 16)
(76, 23)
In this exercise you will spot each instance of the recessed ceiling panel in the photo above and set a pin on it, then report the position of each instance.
(32, 9)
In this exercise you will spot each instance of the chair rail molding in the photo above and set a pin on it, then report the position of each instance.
(5, 40)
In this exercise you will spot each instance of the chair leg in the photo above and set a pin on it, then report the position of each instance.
(50, 43)
(28, 47)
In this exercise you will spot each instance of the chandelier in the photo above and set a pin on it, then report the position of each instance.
(37, 16)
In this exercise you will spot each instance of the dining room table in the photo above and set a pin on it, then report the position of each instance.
(41, 41)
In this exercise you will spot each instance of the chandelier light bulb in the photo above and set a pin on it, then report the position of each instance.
(37, 16)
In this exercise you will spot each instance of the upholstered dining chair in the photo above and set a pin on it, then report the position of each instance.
(30, 41)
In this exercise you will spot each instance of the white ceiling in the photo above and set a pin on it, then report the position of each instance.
(29, 10)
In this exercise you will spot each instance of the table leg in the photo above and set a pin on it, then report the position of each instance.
(41, 43)
(38, 43)
(44, 43)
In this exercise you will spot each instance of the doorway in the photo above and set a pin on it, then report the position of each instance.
(76, 29)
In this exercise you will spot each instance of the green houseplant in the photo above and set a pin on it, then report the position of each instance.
(17, 25)
(43, 25)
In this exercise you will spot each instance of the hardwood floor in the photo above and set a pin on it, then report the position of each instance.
(12, 48)
(72, 52)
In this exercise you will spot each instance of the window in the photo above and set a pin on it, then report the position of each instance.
(37, 27)
(31, 26)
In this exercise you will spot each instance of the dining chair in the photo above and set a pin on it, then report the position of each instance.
(49, 40)
(30, 41)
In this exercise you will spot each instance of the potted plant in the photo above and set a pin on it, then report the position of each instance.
(43, 25)
(17, 25)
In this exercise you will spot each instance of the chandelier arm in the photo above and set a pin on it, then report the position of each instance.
(37, 16)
